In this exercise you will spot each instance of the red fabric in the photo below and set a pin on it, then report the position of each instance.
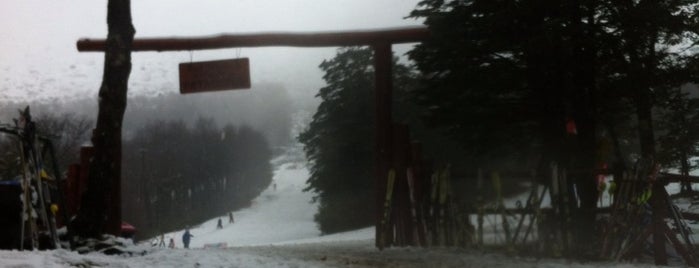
(127, 228)
(600, 179)
(571, 128)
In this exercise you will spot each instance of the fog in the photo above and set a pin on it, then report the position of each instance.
(39, 61)
(40, 66)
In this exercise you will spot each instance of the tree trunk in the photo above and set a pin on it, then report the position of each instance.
(101, 201)
(582, 66)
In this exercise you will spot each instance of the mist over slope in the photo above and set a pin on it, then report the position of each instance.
(267, 108)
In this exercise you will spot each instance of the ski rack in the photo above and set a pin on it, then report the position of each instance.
(641, 198)
(32, 165)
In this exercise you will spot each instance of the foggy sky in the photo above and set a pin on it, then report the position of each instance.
(38, 59)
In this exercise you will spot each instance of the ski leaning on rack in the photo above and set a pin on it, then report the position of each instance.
(443, 189)
(497, 188)
(28, 217)
(386, 219)
(687, 250)
(35, 193)
(415, 211)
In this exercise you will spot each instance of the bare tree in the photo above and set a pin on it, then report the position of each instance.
(105, 167)
(68, 131)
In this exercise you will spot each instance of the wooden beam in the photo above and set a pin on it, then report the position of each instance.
(670, 177)
(309, 39)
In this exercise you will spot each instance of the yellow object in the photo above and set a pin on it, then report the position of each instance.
(645, 196)
(612, 188)
(44, 175)
(54, 209)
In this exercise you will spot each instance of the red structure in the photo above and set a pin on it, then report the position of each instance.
(76, 185)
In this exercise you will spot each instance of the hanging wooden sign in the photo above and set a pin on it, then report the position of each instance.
(216, 75)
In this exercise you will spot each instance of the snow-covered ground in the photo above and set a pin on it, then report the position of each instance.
(278, 231)
(283, 214)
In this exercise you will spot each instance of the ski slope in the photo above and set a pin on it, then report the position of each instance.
(275, 216)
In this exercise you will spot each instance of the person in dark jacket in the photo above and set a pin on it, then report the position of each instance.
(186, 238)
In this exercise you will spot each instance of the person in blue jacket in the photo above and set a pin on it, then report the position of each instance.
(186, 237)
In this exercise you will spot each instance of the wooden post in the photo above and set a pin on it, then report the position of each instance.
(657, 202)
(383, 150)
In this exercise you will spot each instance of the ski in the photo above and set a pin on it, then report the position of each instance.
(433, 228)
(566, 213)
(386, 219)
(481, 205)
(497, 186)
(28, 213)
(634, 208)
(444, 185)
(413, 207)
(556, 206)
(527, 207)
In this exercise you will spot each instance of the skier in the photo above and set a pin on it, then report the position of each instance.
(162, 241)
(220, 224)
(172, 243)
(230, 217)
(186, 237)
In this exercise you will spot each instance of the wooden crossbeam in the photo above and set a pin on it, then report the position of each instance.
(299, 39)
(670, 177)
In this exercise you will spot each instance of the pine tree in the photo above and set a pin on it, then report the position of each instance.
(503, 77)
(339, 143)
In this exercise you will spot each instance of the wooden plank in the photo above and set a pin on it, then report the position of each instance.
(669, 177)
(690, 216)
(214, 75)
(298, 39)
